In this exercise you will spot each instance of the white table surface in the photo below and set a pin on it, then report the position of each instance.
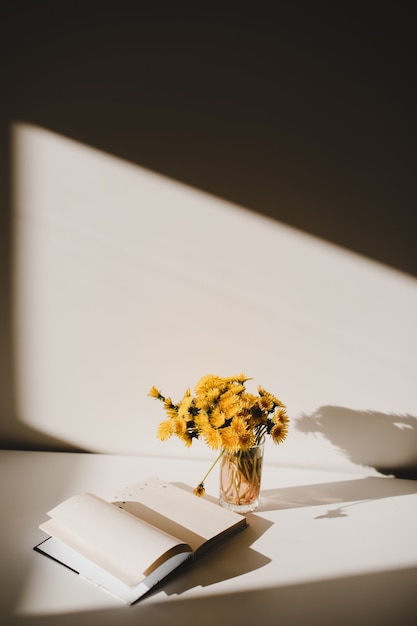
(323, 548)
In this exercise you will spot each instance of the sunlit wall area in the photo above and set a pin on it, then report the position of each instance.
(126, 279)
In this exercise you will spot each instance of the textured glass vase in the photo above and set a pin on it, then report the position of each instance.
(240, 479)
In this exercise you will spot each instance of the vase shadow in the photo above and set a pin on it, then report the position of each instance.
(386, 442)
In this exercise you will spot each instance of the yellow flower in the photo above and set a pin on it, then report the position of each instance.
(245, 436)
(171, 411)
(154, 392)
(279, 432)
(240, 378)
(199, 490)
(208, 382)
(202, 403)
(186, 438)
(212, 437)
(257, 418)
(225, 415)
(247, 401)
(213, 395)
(230, 404)
(201, 421)
(217, 418)
(280, 416)
(239, 425)
(246, 440)
(236, 388)
(230, 439)
(180, 425)
(165, 430)
(266, 402)
(184, 405)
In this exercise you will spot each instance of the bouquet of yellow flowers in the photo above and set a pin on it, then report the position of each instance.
(225, 415)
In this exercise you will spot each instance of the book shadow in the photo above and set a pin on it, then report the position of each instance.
(337, 497)
(219, 563)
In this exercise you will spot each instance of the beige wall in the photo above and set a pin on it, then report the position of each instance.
(306, 119)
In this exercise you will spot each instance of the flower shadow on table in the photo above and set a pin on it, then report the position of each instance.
(386, 442)
(352, 492)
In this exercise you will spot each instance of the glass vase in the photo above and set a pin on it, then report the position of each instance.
(240, 479)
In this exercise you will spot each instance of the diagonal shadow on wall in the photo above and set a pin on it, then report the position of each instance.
(302, 113)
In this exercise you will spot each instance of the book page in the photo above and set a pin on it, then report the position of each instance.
(91, 572)
(179, 512)
(120, 543)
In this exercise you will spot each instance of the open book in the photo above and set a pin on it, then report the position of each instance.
(127, 546)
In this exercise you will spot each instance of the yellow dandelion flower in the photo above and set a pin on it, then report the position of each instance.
(230, 439)
(201, 419)
(266, 402)
(235, 387)
(168, 404)
(253, 424)
(186, 438)
(279, 432)
(184, 405)
(180, 425)
(245, 436)
(213, 395)
(239, 379)
(165, 430)
(275, 400)
(225, 415)
(208, 382)
(230, 405)
(246, 440)
(247, 401)
(154, 392)
(212, 438)
(217, 418)
(199, 490)
(202, 403)
(280, 416)
(171, 411)
(239, 425)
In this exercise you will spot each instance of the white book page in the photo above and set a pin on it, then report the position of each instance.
(100, 577)
(193, 520)
(118, 542)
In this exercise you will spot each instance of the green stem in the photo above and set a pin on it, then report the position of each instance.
(211, 467)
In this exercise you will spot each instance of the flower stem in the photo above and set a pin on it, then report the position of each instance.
(211, 467)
